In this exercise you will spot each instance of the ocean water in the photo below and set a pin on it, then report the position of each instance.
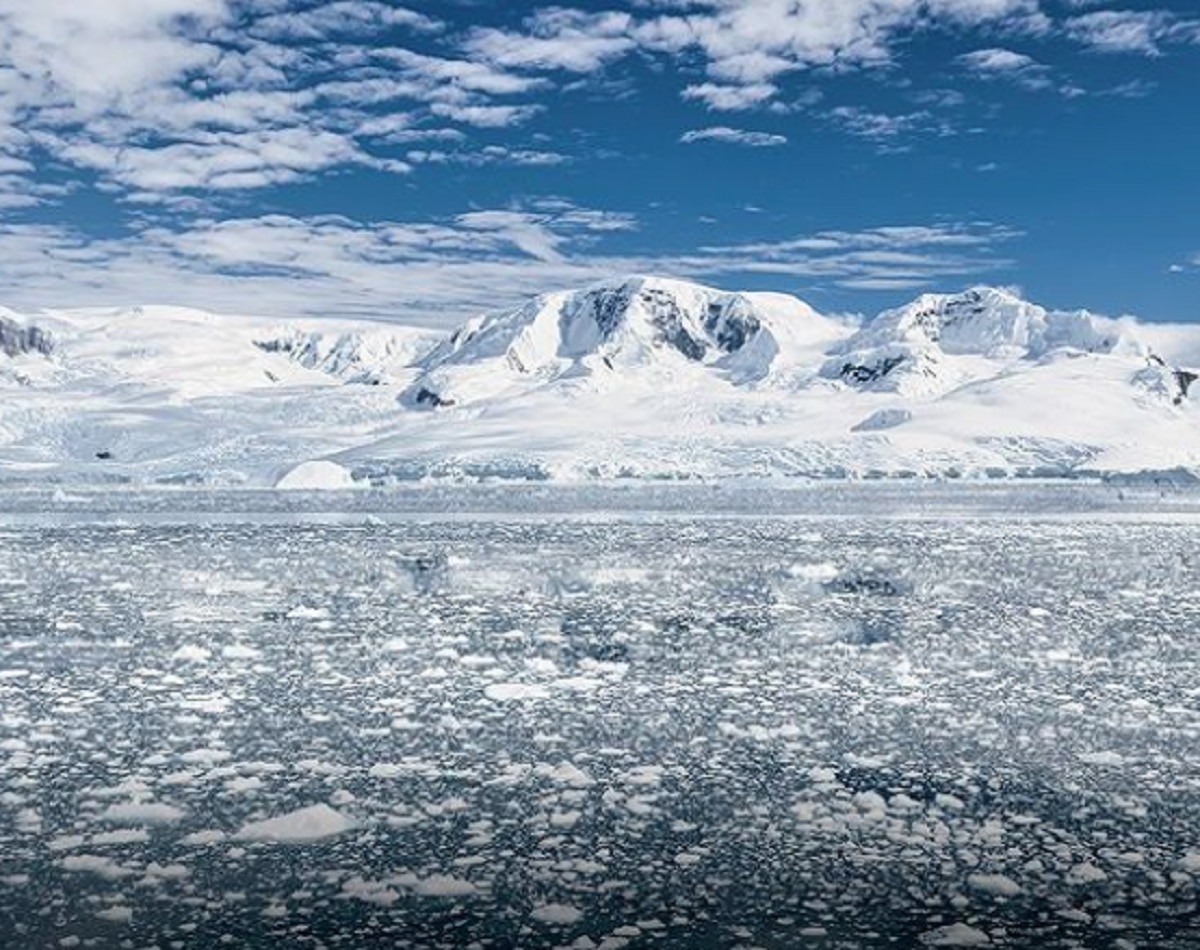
(537, 720)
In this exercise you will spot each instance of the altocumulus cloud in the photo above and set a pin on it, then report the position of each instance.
(723, 133)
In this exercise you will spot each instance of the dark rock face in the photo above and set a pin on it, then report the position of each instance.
(729, 325)
(933, 320)
(732, 325)
(866, 374)
(16, 339)
(1184, 379)
(427, 397)
(608, 307)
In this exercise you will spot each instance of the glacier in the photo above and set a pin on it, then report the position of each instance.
(636, 377)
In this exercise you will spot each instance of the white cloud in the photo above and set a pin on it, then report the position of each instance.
(558, 38)
(340, 18)
(485, 116)
(995, 60)
(753, 42)
(222, 161)
(471, 76)
(186, 100)
(1006, 64)
(884, 258)
(439, 273)
(723, 133)
(163, 97)
(87, 56)
(878, 126)
(488, 155)
(723, 97)
(1131, 31)
(746, 46)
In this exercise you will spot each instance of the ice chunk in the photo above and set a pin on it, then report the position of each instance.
(191, 653)
(955, 935)
(515, 692)
(998, 884)
(142, 813)
(557, 915)
(1086, 873)
(298, 827)
(443, 885)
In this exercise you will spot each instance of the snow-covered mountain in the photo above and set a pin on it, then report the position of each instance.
(937, 341)
(634, 377)
(639, 326)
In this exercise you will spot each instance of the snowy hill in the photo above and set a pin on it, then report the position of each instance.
(634, 377)
(166, 394)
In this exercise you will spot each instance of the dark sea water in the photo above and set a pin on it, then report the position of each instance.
(907, 720)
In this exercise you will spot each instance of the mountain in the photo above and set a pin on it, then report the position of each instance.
(935, 342)
(608, 333)
(172, 395)
(638, 377)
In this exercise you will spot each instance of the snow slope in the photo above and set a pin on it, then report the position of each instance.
(163, 394)
(633, 377)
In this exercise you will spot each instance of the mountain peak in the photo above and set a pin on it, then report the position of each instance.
(626, 323)
(912, 349)
(976, 319)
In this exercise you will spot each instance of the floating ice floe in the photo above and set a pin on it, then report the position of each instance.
(191, 653)
(299, 827)
(443, 885)
(998, 884)
(142, 813)
(956, 935)
(558, 915)
(515, 692)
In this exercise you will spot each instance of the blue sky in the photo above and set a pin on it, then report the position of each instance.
(425, 161)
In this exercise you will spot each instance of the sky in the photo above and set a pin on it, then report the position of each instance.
(428, 161)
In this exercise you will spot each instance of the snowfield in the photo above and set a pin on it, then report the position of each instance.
(640, 377)
(858, 717)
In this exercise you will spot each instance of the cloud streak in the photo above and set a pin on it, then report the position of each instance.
(436, 274)
(723, 133)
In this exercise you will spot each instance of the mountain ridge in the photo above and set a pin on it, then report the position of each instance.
(636, 376)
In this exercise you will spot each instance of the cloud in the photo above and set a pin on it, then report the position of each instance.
(485, 116)
(723, 133)
(883, 258)
(1006, 64)
(745, 46)
(730, 98)
(558, 39)
(438, 273)
(753, 43)
(1131, 31)
(488, 155)
(878, 126)
(220, 161)
(346, 18)
(161, 97)
(194, 101)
